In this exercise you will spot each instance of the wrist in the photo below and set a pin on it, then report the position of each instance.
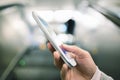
(97, 74)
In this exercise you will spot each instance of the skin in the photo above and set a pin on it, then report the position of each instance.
(85, 68)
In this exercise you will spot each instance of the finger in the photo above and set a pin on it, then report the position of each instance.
(64, 71)
(73, 49)
(57, 60)
(50, 47)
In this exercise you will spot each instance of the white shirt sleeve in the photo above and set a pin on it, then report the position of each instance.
(97, 75)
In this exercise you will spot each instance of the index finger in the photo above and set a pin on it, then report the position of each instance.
(74, 49)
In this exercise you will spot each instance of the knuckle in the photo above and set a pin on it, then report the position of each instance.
(75, 47)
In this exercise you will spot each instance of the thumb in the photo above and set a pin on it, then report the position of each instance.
(73, 49)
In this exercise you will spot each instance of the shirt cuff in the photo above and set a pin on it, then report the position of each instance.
(97, 75)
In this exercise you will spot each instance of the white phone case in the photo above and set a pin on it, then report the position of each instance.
(52, 37)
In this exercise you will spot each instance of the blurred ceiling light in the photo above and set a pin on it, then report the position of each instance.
(46, 15)
(63, 15)
(90, 22)
(60, 16)
(91, 19)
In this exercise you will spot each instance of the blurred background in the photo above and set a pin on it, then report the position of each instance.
(93, 25)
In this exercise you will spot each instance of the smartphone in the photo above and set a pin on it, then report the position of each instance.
(52, 37)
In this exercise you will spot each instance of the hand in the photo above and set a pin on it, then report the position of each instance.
(85, 68)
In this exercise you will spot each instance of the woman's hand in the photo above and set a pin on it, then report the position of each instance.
(85, 68)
